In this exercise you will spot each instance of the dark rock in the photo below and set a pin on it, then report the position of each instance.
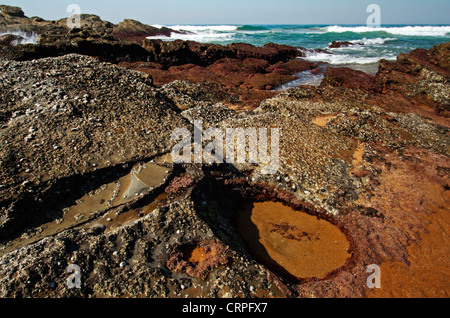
(82, 42)
(136, 31)
(10, 11)
(90, 22)
(339, 44)
(10, 40)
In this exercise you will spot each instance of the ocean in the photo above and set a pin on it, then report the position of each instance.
(371, 44)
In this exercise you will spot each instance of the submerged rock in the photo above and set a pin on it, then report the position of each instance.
(339, 44)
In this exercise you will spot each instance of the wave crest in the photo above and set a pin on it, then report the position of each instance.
(404, 30)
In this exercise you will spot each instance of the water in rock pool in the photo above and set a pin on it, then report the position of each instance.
(294, 242)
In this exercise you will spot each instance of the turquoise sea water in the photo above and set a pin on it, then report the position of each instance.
(372, 44)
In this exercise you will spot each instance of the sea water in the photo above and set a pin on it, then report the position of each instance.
(370, 44)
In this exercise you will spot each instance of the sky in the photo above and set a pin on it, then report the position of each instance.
(245, 11)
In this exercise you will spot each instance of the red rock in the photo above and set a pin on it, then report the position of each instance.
(262, 81)
(345, 77)
(254, 66)
(406, 85)
(197, 261)
(292, 67)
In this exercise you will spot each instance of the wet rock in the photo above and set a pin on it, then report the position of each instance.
(340, 44)
(348, 78)
(83, 75)
(11, 40)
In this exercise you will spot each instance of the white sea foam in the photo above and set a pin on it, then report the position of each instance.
(28, 38)
(200, 33)
(204, 28)
(376, 41)
(199, 37)
(404, 30)
(344, 59)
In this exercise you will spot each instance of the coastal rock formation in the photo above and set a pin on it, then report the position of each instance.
(90, 22)
(133, 30)
(422, 77)
(67, 118)
(14, 19)
(9, 11)
(88, 43)
(87, 176)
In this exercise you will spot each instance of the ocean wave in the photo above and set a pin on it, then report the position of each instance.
(376, 41)
(28, 38)
(204, 28)
(252, 28)
(198, 37)
(345, 59)
(404, 30)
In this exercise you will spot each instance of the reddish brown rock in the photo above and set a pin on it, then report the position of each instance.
(11, 11)
(178, 184)
(198, 260)
(416, 82)
(339, 44)
(348, 78)
(268, 81)
(270, 52)
(292, 67)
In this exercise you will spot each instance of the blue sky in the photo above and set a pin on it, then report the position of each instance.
(246, 11)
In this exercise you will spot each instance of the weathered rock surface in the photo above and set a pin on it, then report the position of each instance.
(72, 116)
(348, 78)
(87, 178)
(420, 78)
(14, 19)
(9, 11)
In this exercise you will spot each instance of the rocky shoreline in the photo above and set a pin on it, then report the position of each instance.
(86, 175)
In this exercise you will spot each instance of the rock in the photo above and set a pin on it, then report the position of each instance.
(339, 44)
(10, 11)
(136, 31)
(421, 77)
(292, 67)
(348, 78)
(11, 40)
(78, 75)
(90, 22)
(363, 159)
(80, 42)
